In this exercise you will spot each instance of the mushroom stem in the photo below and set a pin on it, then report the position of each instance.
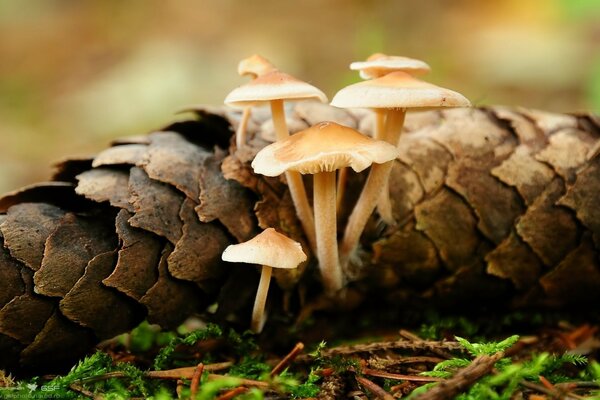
(341, 186)
(258, 312)
(391, 133)
(379, 131)
(326, 230)
(394, 124)
(371, 192)
(294, 179)
(363, 209)
(240, 134)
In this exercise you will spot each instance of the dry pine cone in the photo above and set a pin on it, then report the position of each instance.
(492, 205)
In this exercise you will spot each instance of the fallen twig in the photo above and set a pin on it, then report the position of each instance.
(374, 388)
(287, 359)
(463, 379)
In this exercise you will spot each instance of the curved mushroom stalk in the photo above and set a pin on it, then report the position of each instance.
(258, 311)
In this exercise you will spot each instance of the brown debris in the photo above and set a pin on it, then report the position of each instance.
(105, 184)
(463, 379)
(169, 300)
(156, 206)
(26, 228)
(197, 256)
(74, 242)
(444, 218)
(496, 205)
(551, 245)
(173, 160)
(137, 266)
(126, 154)
(225, 200)
(91, 304)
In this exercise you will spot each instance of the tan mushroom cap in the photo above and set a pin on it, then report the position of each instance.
(324, 147)
(275, 85)
(269, 248)
(398, 90)
(380, 64)
(255, 65)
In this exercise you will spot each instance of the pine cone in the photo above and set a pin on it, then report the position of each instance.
(493, 206)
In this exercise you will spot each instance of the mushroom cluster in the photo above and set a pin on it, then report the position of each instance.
(390, 90)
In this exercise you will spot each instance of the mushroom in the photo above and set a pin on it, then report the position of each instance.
(275, 87)
(321, 150)
(396, 92)
(375, 66)
(271, 250)
(252, 66)
(378, 65)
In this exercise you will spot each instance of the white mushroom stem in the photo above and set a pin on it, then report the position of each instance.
(240, 134)
(341, 186)
(258, 312)
(379, 134)
(326, 230)
(390, 135)
(372, 191)
(294, 179)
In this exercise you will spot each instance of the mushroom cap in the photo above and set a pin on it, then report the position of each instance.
(269, 248)
(398, 90)
(380, 64)
(255, 65)
(274, 85)
(324, 147)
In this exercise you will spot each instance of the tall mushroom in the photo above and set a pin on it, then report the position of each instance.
(275, 87)
(252, 66)
(376, 66)
(321, 150)
(396, 92)
(269, 249)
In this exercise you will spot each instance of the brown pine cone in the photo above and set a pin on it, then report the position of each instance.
(493, 206)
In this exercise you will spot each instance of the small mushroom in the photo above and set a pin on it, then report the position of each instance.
(321, 150)
(379, 64)
(275, 87)
(269, 249)
(253, 66)
(395, 92)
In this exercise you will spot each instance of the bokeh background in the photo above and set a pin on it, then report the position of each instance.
(74, 74)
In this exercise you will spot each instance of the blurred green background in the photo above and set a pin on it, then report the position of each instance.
(74, 74)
